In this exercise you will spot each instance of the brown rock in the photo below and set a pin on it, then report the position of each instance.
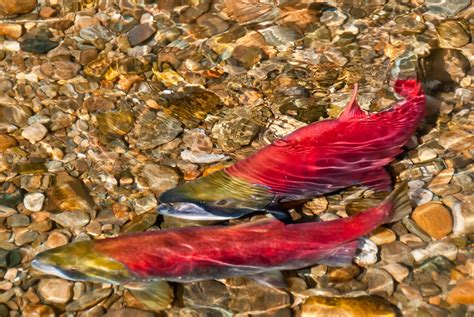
(6, 142)
(11, 30)
(382, 235)
(55, 290)
(368, 306)
(11, 7)
(434, 219)
(462, 293)
(68, 194)
(141, 33)
(38, 310)
(59, 70)
(129, 312)
(343, 274)
(47, 12)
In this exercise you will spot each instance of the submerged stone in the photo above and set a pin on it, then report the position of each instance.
(118, 123)
(368, 306)
(68, 194)
(38, 46)
(154, 129)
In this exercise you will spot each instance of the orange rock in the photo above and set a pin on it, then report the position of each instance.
(462, 293)
(6, 142)
(12, 30)
(434, 219)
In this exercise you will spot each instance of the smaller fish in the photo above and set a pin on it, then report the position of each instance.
(320, 158)
(143, 262)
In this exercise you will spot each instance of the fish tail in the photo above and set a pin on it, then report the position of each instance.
(408, 87)
(399, 202)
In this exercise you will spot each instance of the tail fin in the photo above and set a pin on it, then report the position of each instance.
(407, 87)
(401, 205)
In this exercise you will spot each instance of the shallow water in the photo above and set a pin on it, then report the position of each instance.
(105, 104)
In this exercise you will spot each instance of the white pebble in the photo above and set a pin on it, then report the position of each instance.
(34, 132)
(34, 201)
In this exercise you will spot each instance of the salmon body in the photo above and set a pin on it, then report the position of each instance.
(317, 159)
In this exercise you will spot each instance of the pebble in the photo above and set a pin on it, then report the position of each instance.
(11, 30)
(420, 196)
(160, 178)
(446, 7)
(462, 293)
(396, 252)
(71, 219)
(145, 204)
(56, 239)
(88, 299)
(452, 34)
(129, 312)
(202, 158)
(68, 194)
(382, 235)
(379, 282)
(141, 33)
(38, 310)
(398, 271)
(35, 132)
(39, 46)
(434, 219)
(12, 7)
(55, 290)
(368, 306)
(34, 201)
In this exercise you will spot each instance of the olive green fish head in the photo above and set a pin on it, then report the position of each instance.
(216, 196)
(79, 261)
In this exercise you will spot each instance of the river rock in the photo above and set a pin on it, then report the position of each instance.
(462, 293)
(434, 219)
(11, 7)
(55, 290)
(368, 306)
(34, 132)
(68, 194)
(34, 201)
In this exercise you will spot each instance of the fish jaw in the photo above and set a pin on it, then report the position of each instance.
(191, 211)
(79, 261)
(218, 196)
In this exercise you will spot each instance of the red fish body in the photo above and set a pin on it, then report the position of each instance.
(320, 158)
(144, 261)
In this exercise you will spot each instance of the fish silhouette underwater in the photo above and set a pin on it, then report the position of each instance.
(320, 158)
(143, 262)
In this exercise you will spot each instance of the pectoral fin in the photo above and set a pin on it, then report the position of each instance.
(342, 255)
(157, 295)
(271, 279)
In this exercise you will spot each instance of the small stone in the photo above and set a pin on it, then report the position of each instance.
(11, 30)
(434, 219)
(160, 178)
(379, 282)
(34, 201)
(38, 45)
(426, 154)
(55, 290)
(68, 194)
(140, 223)
(18, 220)
(47, 12)
(118, 123)
(141, 33)
(89, 299)
(71, 219)
(9, 258)
(396, 252)
(11, 7)
(59, 70)
(56, 239)
(129, 312)
(368, 306)
(452, 34)
(145, 204)
(6, 142)
(367, 253)
(197, 141)
(446, 7)
(34, 133)
(382, 235)
(343, 274)
(398, 271)
(446, 249)
(38, 310)
(316, 206)
(462, 293)
(420, 196)
(25, 236)
(154, 129)
(463, 219)
(202, 158)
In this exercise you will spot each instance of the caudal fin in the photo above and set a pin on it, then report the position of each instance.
(407, 87)
(400, 201)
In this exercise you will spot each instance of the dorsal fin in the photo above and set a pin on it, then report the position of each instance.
(352, 109)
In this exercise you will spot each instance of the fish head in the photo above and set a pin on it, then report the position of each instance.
(217, 196)
(79, 261)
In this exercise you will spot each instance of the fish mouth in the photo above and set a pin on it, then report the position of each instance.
(192, 211)
(51, 269)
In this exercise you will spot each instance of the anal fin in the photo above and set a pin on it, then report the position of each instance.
(378, 180)
(157, 295)
(342, 255)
